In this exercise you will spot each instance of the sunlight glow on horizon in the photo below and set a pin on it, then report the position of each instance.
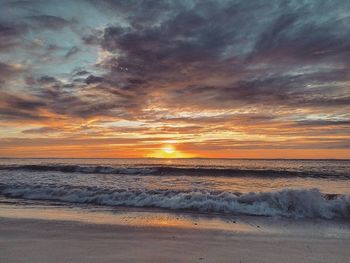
(168, 151)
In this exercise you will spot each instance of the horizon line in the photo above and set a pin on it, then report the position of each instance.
(227, 158)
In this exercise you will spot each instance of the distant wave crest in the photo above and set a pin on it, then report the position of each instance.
(67, 168)
(294, 203)
(171, 170)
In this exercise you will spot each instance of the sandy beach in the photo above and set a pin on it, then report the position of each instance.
(39, 235)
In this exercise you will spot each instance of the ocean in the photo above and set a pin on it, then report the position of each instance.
(273, 188)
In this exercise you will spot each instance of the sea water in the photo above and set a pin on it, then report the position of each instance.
(282, 188)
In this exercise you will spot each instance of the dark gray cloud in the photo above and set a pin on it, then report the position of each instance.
(265, 53)
(10, 34)
(91, 79)
(303, 36)
(223, 54)
(15, 115)
(48, 22)
(19, 107)
(81, 73)
(71, 52)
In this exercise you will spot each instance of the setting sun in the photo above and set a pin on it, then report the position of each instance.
(168, 151)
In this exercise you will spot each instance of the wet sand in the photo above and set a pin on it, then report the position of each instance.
(36, 234)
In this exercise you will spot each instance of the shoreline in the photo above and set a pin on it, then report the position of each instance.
(156, 216)
(35, 240)
(39, 233)
(161, 217)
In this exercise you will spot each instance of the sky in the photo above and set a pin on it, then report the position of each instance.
(220, 79)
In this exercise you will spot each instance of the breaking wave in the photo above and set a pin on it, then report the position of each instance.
(173, 170)
(293, 203)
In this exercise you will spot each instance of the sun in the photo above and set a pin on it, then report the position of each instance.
(168, 151)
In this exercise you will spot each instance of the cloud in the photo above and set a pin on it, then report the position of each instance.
(12, 31)
(71, 52)
(303, 37)
(211, 53)
(278, 69)
(48, 22)
(10, 34)
(19, 107)
(91, 79)
(42, 130)
(9, 71)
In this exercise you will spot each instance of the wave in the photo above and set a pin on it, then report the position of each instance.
(172, 170)
(293, 203)
(67, 168)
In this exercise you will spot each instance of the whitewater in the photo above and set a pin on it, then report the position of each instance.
(274, 188)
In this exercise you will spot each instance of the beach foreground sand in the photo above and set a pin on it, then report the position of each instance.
(37, 240)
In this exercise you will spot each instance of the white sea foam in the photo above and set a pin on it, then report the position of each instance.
(295, 203)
